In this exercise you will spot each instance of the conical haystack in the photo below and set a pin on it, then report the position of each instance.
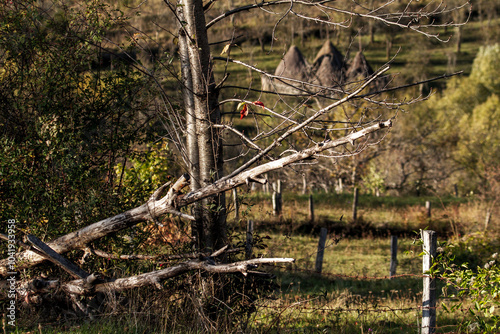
(359, 67)
(293, 66)
(327, 74)
(329, 66)
(329, 50)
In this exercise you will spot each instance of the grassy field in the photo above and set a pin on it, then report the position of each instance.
(354, 293)
(376, 216)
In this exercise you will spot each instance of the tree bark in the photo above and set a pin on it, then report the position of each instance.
(193, 157)
(211, 231)
(86, 286)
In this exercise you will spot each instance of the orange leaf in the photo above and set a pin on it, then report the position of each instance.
(259, 103)
(244, 111)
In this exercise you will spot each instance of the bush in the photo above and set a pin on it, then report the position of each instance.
(65, 125)
(472, 274)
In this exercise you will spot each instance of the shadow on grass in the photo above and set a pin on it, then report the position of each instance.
(307, 283)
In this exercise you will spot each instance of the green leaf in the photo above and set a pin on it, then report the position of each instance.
(445, 307)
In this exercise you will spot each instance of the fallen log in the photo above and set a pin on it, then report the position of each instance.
(88, 286)
(79, 239)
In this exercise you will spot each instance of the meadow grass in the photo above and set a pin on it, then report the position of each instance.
(377, 216)
(353, 294)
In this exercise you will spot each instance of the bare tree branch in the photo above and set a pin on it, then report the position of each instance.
(242, 177)
(303, 124)
(84, 287)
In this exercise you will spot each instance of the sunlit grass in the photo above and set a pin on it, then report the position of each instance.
(353, 294)
(376, 215)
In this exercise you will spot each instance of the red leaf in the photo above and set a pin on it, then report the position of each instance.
(259, 103)
(244, 111)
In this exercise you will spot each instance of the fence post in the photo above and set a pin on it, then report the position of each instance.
(277, 199)
(311, 208)
(428, 208)
(429, 290)
(321, 249)
(394, 255)
(236, 204)
(355, 205)
(249, 243)
(487, 219)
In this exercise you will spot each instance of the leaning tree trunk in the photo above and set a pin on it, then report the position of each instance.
(211, 231)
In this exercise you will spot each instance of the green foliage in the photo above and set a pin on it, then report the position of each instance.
(473, 115)
(475, 282)
(486, 66)
(373, 181)
(65, 121)
(144, 172)
(454, 136)
(479, 141)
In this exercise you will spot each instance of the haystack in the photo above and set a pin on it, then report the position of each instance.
(329, 66)
(329, 50)
(293, 66)
(360, 69)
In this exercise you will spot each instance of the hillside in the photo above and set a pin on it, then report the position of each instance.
(412, 56)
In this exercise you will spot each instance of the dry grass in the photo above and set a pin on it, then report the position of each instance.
(449, 216)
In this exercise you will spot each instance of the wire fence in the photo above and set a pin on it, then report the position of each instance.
(395, 306)
(328, 311)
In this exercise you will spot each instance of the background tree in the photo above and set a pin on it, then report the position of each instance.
(452, 138)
